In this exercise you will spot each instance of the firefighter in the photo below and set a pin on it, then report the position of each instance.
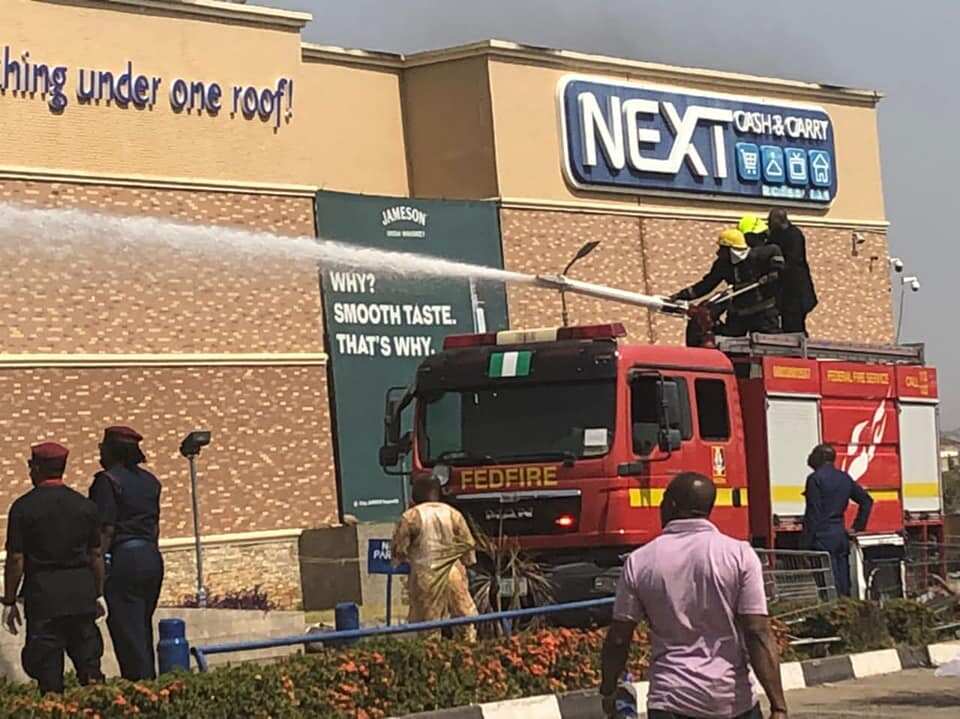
(828, 492)
(128, 499)
(53, 544)
(739, 265)
(754, 230)
(798, 297)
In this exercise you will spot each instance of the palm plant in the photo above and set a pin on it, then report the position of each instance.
(502, 559)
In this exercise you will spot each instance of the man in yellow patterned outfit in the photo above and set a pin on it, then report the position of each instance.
(435, 539)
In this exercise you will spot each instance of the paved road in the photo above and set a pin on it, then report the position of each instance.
(912, 694)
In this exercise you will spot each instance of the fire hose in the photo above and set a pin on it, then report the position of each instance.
(704, 313)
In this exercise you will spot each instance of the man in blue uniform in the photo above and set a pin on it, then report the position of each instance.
(828, 492)
(128, 499)
(53, 543)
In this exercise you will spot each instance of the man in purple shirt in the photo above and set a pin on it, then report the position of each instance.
(701, 592)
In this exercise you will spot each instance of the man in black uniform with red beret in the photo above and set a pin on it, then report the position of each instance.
(53, 543)
(128, 500)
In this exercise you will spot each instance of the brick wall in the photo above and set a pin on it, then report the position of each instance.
(63, 296)
(274, 565)
(269, 465)
(543, 242)
(659, 256)
(271, 462)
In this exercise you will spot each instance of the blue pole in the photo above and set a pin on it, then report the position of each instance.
(173, 650)
(200, 657)
(389, 596)
(201, 652)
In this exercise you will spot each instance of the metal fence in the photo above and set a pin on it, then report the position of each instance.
(201, 653)
(797, 580)
(792, 580)
(932, 570)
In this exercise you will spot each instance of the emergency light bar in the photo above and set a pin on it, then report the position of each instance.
(610, 331)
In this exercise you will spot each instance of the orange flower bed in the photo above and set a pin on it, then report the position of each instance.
(371, 680)
(367, 681)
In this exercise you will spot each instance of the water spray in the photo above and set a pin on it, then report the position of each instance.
(61, 231)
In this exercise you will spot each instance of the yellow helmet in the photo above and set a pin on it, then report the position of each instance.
(733, 238)
(752, 224)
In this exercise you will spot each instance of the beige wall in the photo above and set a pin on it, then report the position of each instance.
(449, 130)
(349, 131)
(468, 125)
(529, 155)
(345, 133)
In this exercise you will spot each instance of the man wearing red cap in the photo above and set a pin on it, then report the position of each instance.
(53, 543)
(128, 501)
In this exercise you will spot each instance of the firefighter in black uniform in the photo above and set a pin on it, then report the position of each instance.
(128, 498)
(828, 492)
(739, 265)
(53, 543)
(798, 297)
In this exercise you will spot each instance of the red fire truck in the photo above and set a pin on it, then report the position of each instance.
(566, 439)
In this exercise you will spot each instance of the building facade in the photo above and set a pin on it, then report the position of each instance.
(217, 114)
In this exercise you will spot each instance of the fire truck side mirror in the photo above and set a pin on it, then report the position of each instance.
(389, 455)
(394, 446)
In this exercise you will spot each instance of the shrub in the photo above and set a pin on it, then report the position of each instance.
(909, 622)
(370, 680)
(863, 626)
(254, 598)
(860, 626)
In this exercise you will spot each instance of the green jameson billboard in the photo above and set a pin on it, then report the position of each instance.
(380, 325)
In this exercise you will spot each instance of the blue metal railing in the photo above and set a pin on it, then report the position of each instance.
(201, 653)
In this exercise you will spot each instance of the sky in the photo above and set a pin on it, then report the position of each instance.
(908, 51)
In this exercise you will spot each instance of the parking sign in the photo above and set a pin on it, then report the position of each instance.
(379, 559)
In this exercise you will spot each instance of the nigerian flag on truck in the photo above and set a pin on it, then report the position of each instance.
(509, 364)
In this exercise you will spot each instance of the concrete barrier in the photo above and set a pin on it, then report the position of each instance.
(794, 675)
(204, 626)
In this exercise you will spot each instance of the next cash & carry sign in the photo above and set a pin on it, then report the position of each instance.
(635, 137)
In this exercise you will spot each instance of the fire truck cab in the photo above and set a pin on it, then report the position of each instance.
(567, 438)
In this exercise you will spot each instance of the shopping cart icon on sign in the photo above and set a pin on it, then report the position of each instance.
(748, 161)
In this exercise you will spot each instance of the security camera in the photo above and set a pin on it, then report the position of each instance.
(896, 264)
(856, 239)
(913, 282)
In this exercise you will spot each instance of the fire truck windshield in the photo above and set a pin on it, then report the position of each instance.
(520, 422)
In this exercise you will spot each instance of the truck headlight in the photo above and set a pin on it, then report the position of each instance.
(605, 584)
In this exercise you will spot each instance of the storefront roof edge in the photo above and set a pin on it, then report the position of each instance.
(212, 9)
(351, 56)
(706, 213)
(666, 73)
(40, 174)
